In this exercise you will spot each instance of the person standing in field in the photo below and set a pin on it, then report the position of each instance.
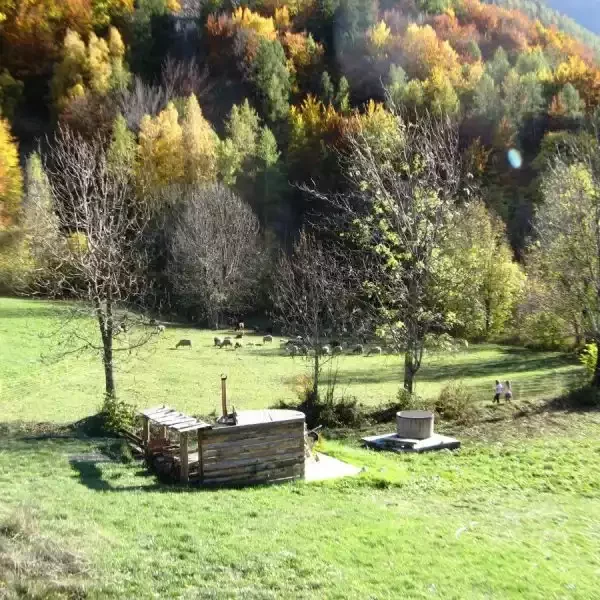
(499, 390)
(508, 392)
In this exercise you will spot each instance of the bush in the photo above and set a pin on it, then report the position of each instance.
(386, 413)
(117, 414)
(583, 398)
(456, 403)
(589, 357)
(328, 412)
(544, 331)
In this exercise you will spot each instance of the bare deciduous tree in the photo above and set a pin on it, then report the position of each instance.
(216, 250)
(402, 189)
(179, 79)
(98, 260)
(311, 297)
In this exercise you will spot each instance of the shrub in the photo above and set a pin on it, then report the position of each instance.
(583, 398)
(346, 412)
(386, 413)
(589, 357)
(117, 414)
(544, 331)
(456, 403)
(407, 401)
(328, 412)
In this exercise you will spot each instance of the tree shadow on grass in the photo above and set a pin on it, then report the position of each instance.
(90, 475)
(434, 373)
(498, 369)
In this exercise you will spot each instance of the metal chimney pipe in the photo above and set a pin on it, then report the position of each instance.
(224, 394)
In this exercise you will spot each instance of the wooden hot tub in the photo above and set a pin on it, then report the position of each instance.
(263, 446)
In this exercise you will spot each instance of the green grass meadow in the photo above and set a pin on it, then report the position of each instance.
(514, 514)
(37, 386)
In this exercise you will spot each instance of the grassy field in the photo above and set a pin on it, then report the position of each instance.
(36, 387)
(513, 514)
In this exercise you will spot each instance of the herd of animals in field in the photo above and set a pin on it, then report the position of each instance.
(295, 346)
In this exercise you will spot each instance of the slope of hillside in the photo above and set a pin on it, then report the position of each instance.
(579, 18)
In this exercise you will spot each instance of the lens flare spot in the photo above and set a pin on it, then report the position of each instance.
(515, 159)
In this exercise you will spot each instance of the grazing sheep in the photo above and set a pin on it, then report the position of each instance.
(337, 350)
(160, 329)
(376, 350)
(240, 326)
(239, 336)
(227, 342)
(326, 350)
(218, 340)
(358, 349)
(267, 339)
(183, 343)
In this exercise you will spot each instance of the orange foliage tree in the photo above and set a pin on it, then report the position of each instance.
(33, 30)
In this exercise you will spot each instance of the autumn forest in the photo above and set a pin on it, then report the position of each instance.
(449, 144)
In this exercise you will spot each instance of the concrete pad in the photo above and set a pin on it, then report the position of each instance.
(394, 443)
(327, 467)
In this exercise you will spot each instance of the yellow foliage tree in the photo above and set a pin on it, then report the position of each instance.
(200, 144)
(424, 51)
(11, 178)
(68, 80)
(379, 127)
(282, 18)
(99, 67)
(160, 150)
(443, 99)
(264, 27)
(378, 37)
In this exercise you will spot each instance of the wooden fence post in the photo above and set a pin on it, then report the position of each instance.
(146, 432)
(200, 458)
(183, 447)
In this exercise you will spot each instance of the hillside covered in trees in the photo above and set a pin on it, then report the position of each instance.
(208, 107)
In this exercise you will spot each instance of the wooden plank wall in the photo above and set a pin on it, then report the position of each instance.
(257, 453)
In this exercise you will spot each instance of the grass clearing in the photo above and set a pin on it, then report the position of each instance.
(508, 520)
(33, 389)
(513, 514)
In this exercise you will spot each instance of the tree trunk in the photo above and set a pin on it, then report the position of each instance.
(596, 379)
(488, 317)
(315, 391)
(578, 336)
(105, 322)
(409, 372)
(108, 367)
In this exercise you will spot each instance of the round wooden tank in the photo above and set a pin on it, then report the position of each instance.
(414, 424)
